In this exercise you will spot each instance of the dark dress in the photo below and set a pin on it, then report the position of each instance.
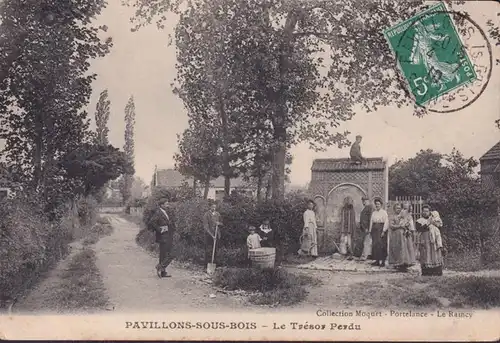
(268, 238)
(379, 244)
(273, 241)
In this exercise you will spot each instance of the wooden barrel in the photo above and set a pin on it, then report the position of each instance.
(262, 257)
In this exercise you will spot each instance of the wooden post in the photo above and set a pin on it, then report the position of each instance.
(386, 179)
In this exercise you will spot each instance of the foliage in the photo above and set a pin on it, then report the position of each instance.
(289, 70)
(199, 154)
(237, 213)
(450, 185)
(128, 148)
(47, 88)
(94, 166)
(29, 243)
(102, 113)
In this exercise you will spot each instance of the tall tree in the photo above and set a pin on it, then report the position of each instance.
(47, 86)
(200, 154)
(128, 147)
(102, 113)
(313, 61)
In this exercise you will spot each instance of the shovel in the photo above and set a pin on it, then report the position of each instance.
(211, 266)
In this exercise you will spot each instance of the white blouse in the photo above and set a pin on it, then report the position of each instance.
(309, 219)
(380, 217)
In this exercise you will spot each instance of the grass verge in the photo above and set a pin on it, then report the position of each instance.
(429, 292)
(273, 286)
(101, 229)
(80, 287)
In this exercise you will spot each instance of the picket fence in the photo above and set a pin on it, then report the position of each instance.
(416, 203)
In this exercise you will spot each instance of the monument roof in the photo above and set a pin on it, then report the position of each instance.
(345, 164)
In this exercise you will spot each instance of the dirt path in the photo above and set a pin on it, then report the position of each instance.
(129, 276)
(130, 279)
(131, 283)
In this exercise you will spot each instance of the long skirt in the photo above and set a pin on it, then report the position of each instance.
(379, 244)
(430, 258)
(309, 243)
(401, 248)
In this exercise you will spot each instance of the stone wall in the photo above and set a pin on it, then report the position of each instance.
(333, 180)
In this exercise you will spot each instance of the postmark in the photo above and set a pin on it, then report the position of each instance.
(444, 57)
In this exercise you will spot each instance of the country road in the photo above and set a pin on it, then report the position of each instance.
(131, 284)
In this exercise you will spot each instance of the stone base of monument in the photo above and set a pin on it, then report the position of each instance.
(337, 262)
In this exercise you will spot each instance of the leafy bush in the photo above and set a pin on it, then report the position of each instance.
(29, 243)
(285, 216)
(276, 286)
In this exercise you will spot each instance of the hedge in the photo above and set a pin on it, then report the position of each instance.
(30, 243)
(237, 214)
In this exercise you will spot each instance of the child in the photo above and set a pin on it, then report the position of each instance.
(253, 239)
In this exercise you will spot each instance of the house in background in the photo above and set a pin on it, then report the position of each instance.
(490, 168)
(172, 179)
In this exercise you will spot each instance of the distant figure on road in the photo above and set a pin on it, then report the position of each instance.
(211, 220)
(163, 222)
(356, 156)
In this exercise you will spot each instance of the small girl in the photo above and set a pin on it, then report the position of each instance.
(253, 239)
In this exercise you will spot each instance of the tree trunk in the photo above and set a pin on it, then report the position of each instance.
(259, 185)
(280, 120)
(278, 170)
(207, 186)
(226, 167)
(37, 153)
(268, 187)
(195, 182)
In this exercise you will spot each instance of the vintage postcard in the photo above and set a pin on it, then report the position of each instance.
(250, 170)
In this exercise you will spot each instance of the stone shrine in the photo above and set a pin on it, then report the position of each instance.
(332, 180)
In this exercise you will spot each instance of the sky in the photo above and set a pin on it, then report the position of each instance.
(142, 64)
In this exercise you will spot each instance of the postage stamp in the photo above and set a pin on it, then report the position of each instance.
(437, 57)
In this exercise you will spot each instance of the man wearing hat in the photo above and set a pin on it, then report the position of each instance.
(163, 223)
(356, 156)
(211, 224)
(364, 225)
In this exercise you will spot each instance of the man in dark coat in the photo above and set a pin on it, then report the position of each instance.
(211, 220)
(364, 224)
(163, 222)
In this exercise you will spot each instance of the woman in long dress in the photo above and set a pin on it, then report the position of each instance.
(309, 243)
(429, 243)
(401, 242)
(379, 225)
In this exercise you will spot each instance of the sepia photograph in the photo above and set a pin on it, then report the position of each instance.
(250, 169)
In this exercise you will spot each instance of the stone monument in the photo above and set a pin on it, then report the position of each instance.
(334, 179)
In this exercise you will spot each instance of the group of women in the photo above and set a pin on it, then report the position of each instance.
(396, 239)
(401, 241)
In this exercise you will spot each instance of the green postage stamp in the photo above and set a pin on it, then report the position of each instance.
(431, 54)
